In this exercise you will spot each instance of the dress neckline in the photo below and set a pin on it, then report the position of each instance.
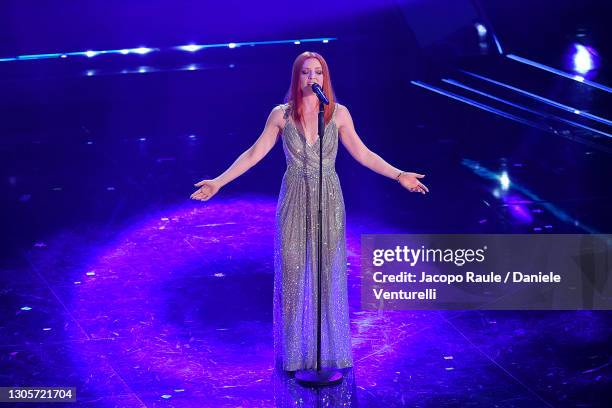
(290, 117)
(304, 137)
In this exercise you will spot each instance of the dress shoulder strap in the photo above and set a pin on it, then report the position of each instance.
(286, 108)
(335, 110)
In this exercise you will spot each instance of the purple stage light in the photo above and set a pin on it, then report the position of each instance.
(177, 293)
(520, 213)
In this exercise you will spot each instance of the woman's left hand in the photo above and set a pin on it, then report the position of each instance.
(410, 181)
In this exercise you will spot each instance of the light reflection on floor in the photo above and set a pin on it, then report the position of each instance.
(176, 311)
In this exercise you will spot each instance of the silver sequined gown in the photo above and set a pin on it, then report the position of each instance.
(295, 256)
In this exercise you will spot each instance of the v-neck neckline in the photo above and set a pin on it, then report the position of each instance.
(304, 136)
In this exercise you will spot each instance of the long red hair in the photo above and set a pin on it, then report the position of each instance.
(294, 95)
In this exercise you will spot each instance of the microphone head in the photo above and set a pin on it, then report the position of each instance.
(316, 87)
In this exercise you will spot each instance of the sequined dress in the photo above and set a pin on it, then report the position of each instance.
(295, 256)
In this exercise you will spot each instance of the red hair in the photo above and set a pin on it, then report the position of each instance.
(294, 95)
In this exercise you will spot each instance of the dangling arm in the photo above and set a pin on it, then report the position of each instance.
(246, 160)
(369, 159)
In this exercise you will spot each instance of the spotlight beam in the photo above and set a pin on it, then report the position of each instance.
(575, 77)
(542, 99)
(523, 108)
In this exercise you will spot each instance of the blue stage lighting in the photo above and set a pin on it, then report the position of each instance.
(504, 180)
(482, 30)
(141, 50)
(575, 77)
(538, 98)
(582, 59)
(146, 50)
(191, 47)
(485, 173)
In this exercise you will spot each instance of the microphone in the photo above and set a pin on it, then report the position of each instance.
(316, 88)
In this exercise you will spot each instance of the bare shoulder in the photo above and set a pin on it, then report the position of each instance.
(343, 115)
(278, 111)
(277, 116)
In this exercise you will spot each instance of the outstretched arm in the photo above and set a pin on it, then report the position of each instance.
(369, 159)
(247, 159)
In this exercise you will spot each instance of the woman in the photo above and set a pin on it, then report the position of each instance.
(295, 307)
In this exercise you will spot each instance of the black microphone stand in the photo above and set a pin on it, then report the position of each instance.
(320, 376)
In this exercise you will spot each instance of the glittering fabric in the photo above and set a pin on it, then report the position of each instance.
(295, 256)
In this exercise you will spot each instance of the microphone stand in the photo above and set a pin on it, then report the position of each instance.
(320, 376)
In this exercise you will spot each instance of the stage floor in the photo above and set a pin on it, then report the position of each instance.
(174, 309)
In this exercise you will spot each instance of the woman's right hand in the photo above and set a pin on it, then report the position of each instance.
(208, 188)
